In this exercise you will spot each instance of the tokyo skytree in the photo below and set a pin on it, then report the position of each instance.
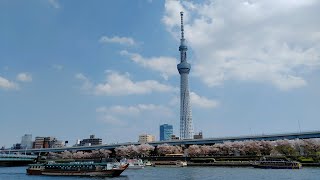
(186, 124)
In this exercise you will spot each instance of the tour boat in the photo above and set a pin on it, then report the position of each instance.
(274, 163)
(111, 169)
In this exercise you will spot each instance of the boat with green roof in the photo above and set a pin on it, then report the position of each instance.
(110, 169)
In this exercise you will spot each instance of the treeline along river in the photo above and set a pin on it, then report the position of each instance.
(187, 173)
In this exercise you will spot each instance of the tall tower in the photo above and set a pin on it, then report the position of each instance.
(186, 125)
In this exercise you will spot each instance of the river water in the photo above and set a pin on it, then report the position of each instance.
(187, 173)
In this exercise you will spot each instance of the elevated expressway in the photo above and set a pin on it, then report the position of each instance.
(206, 141)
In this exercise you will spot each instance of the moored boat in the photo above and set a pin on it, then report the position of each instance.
(111, 169)
(133, 163)
(274, 163)
(177, 163)
(148, 163)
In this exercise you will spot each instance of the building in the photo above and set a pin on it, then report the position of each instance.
(55, 143)
(198, 136)
(92, 141)
(38, 142)
(17, 146)
(48, 141)
(174, 137)
(186, 124)
(144, 138)
(26, 141)
(166, 131)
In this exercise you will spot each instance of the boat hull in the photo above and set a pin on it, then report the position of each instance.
(276, 167)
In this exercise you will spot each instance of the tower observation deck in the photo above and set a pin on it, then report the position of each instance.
(186, 124)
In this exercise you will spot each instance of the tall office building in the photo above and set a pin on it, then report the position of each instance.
(26, 141)
(166, 132)
(186, 124)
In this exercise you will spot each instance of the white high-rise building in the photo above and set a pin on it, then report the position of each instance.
(26, 141)
(186, 124)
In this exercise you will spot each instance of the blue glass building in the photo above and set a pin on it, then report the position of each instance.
(166, 132)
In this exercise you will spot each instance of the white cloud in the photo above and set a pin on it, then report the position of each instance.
(57, 67)
(197, 101)
(6, 84)
(117, 84)
(54, 3)
(121, 84)
(87, 84)
(202, 102)
(24, 77)
(120, 40)
(261, 41)
(167, 66)
(111, 120)
(124, 115)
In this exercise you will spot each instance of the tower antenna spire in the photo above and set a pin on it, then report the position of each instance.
(182, 29)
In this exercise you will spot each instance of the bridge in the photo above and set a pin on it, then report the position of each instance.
(188, 142)
(16, 160)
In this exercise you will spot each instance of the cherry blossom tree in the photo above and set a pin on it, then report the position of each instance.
(66, 155)
(194, 150)
(145, 149)
(122, 151)
(164, 149)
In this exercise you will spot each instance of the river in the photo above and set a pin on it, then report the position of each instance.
(187, 173)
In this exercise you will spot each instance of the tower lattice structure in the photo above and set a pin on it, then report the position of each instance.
(186, 124)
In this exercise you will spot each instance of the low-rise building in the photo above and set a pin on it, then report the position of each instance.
(198, 136)
(92, 141)
(47, 142)
(174, 137)
(38, 142)
(144, 138)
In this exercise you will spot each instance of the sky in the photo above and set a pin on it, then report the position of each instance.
(70, 68)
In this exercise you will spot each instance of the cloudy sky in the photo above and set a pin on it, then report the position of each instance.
(73, 68)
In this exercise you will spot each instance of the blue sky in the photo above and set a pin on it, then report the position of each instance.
(72, 68)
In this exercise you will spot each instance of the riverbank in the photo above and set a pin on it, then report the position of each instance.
(228, 161)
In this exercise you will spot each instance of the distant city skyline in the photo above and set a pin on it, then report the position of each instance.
(108, 68)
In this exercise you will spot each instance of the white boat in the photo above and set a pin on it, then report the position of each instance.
(133, 163)
(148, 163)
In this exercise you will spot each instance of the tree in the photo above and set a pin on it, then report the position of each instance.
(266, 147)
(164, 149)
(66, 155)
(285, 147)
(311, 146)
(122, 151)
(194, 150)
(145, 149)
